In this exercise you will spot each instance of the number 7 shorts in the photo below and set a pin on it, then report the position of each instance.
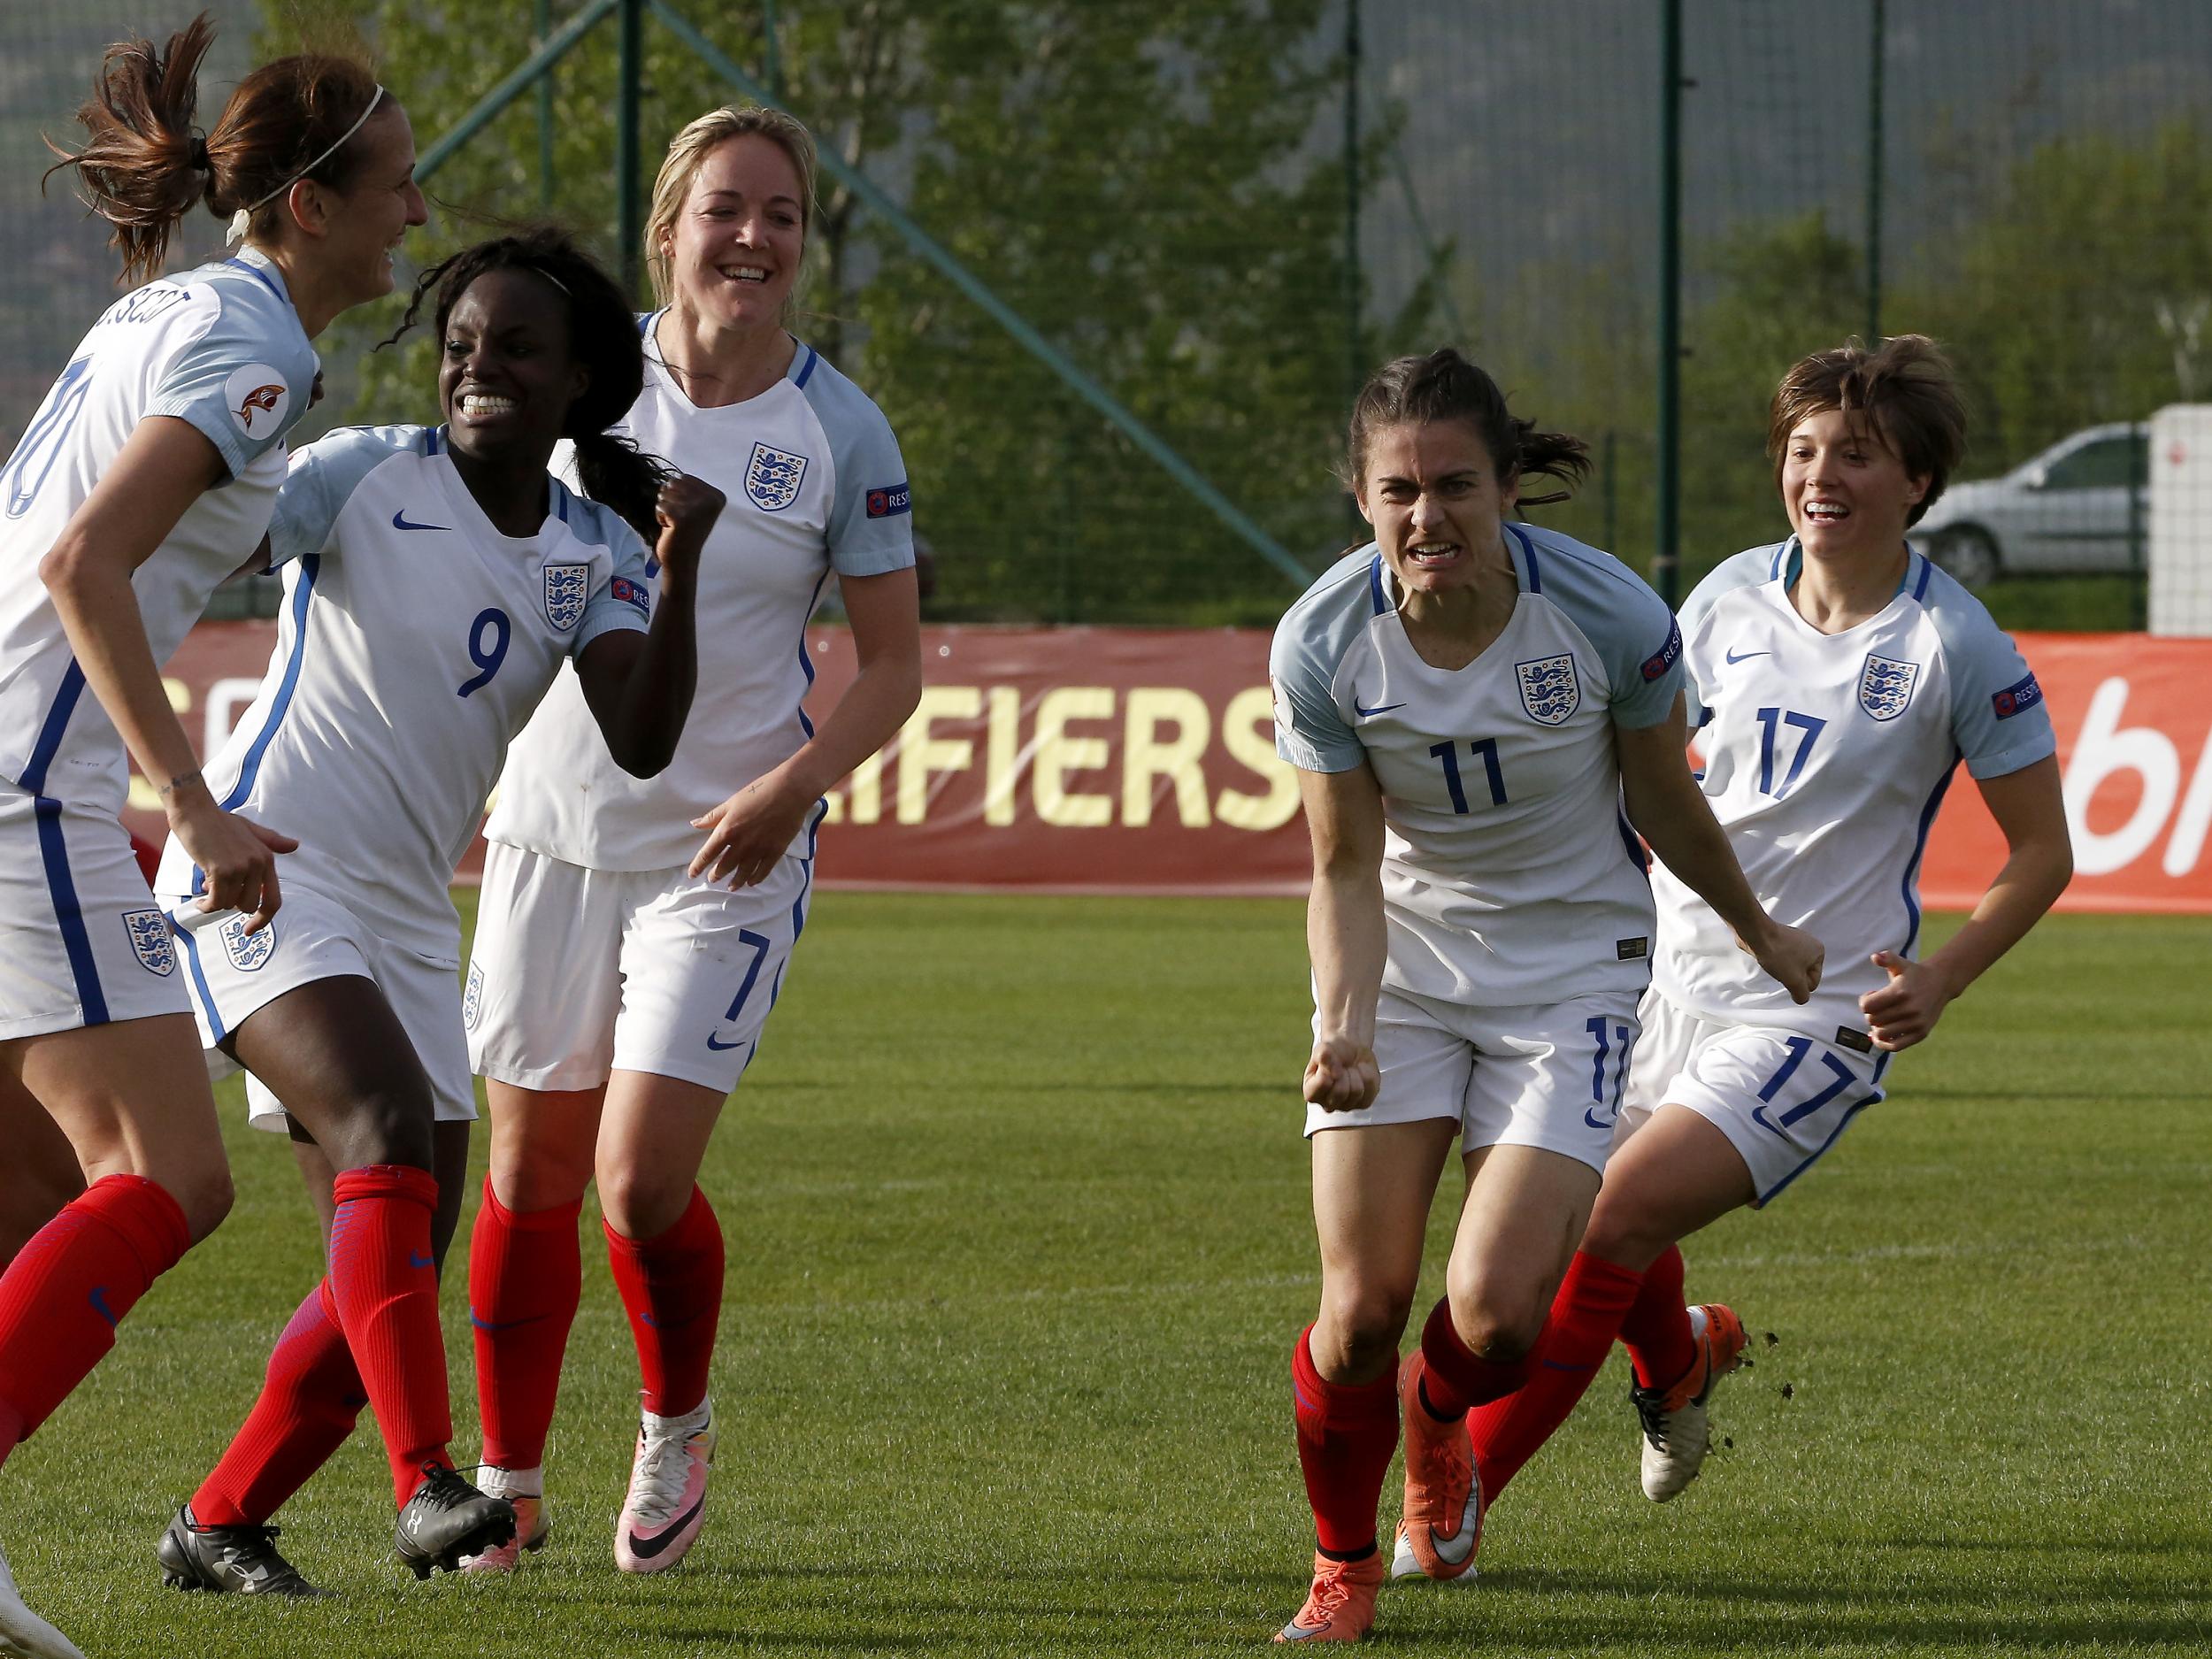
(1781, 1097)
(578, 972)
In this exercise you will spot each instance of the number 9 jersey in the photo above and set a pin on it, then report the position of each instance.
(416, 640)
(1826, 757)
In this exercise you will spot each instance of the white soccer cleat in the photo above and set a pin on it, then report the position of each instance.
(1676, 1433)
(533, 1523)
(668, 1492)
(23, 1633)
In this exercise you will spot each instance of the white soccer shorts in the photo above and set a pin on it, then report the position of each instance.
(1547, 1076)
(1781, 1097)
(313, 937)
(577, 973)
(81, 941)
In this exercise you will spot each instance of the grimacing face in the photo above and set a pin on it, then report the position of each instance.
(738, 241)
(1437, 502)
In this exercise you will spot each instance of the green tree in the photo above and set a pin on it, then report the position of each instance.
(1152, 188)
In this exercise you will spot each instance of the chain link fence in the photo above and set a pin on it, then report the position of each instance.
(1223, 212)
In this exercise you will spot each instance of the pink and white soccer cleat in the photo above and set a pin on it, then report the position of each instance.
(533, 1526)
(668, 1492)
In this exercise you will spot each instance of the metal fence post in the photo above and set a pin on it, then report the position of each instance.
(544, 28)
(629, 208)
(1874, 177)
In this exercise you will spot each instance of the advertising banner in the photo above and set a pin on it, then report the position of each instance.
(1129, 760)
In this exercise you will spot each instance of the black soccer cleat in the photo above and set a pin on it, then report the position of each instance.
(229, 1560)
(448, 1519)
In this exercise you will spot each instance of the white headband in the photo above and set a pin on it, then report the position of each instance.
(243, 217)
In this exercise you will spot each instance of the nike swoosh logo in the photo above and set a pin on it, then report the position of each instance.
(720, 1047)
(414, 1260)
(1369, 713)
(1591, 1117)
(1454, 1550)
(1296, 1631)
(1733, 658)
(510, 1325)
(1553, 1364)
(645, 1549)
(99, 1300)
(399, 522)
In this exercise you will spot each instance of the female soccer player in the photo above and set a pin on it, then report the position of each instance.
(631, 936)
(1840, 678)
(114, 531)
(435, 580)
(1468, 701)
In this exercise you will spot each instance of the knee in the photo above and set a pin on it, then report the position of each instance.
(389, 1125)
(1356, 1337)
(533, 1176)
(205, 1197)
(643, 1204)
(1617, 1233)
(1497, 1320)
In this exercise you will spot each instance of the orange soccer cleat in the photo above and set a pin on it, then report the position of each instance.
(1341, 1606)
(1443, 1510)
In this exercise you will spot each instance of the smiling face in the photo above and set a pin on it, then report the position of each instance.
(1437, 502)
(365, 223)
(1845, 491)
(506, 377)
(736, 245)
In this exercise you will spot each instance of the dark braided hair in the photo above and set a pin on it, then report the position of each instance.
(602, 336)
(1444, 386)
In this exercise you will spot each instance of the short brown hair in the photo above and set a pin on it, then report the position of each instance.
(688, 150)
(1906, 391)
(144, 167)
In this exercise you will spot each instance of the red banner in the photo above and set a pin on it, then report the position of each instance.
(1142, 761)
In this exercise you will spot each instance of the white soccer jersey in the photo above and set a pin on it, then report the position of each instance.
(220, 347)
(814, 484)
(415, 641)
(1510, 875)
(1826, 755)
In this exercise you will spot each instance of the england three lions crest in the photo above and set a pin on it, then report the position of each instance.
(151, 939)
(1550, 689)
(1886, 685)
(567, 587)
(773, 477)
(246, 951)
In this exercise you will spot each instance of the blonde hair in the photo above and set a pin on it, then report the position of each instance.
(687, 153)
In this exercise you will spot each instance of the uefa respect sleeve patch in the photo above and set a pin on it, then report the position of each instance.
(890, 501)
(2013, 698)
(1666, 655)
(631, 593)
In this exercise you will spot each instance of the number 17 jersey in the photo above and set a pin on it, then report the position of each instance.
(1826, 757)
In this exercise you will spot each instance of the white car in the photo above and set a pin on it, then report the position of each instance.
(2082, 506)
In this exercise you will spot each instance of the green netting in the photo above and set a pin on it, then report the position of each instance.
(1171, 194)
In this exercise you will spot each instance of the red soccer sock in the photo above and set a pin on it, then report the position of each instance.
(1657, 1329)
(1454, 1378)
(309, 1403)
(1346, 1434)
(671, 1286)
(68, 1289)
(1579, 1335)
(525, 1278)
(384, 1284)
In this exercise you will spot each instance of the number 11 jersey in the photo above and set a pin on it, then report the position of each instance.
(1826, 757)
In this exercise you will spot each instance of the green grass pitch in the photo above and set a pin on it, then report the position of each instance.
(1018, 1239)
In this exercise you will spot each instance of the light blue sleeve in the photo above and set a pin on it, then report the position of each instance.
(1310, 730)
(1747, 569)
(246, 380)
(322, 479)
(1633, 631)
(624, 602)
(871, 511)
(1999, 718)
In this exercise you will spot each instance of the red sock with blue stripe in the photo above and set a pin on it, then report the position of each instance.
(1657, 1328)
(672, 1288)
(69, 1287)
(1346, 1434)
(1454, 1379)
(384, 1283)
(1586, 1315)
(310, 1398)
(525, 1278)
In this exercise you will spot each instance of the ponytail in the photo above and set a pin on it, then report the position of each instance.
(615, 472)
(1444, 386)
